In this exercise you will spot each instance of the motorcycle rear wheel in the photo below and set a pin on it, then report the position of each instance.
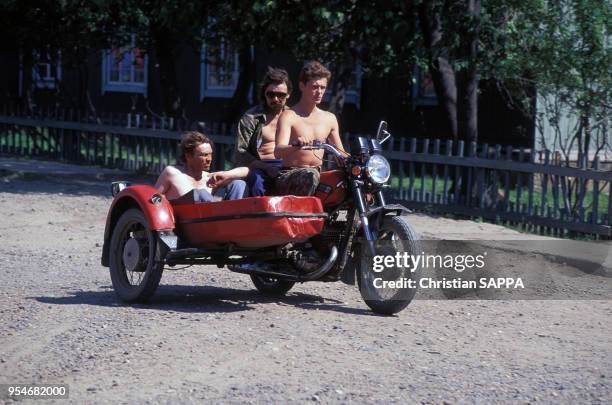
(136, 259)
(271, 286)
(401, 238)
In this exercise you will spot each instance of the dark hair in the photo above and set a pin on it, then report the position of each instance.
(273, 76)
(314, 70)
(190, 141)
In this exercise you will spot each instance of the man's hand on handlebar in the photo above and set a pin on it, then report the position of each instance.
(303, 141)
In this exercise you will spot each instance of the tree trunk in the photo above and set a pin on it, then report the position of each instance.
(240, 100)
(469, 103)
(165, 56)
(441, 71)
(586, 124)
(342, 76)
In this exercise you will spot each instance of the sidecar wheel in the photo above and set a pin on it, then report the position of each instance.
(136, 259)
(399, 237)
(271, 286)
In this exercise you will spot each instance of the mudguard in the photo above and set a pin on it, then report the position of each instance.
(154, 205)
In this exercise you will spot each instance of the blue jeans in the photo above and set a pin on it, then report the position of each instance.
(258, 182)
(235, 190)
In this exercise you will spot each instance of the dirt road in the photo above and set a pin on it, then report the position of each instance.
(209, 336)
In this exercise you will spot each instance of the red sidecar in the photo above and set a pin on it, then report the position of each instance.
(250, 222)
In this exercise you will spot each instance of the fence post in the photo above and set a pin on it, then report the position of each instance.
(544, 199)
(595, 204)
(400, 184)
(448, 153)
(481, 177)
(434, 170)
(458, 179)
(609, 220)
(411, 170)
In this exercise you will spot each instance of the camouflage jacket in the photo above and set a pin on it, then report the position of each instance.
(248, 136)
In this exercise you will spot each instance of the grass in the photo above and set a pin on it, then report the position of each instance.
(513, 197)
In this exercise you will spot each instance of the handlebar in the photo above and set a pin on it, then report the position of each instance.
(326, 147)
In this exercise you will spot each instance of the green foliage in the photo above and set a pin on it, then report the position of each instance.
(564, 50)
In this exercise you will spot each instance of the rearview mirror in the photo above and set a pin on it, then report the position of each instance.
(382, 134)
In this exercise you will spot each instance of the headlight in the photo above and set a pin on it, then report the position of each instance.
(378, 169)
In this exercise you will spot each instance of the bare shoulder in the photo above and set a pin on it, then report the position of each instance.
(329, 117)
(288, 114)
(171, 171)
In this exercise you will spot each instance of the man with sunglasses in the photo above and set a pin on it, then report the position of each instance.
(255, 141)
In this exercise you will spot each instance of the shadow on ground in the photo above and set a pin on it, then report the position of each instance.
(69, 184)
(208, 299)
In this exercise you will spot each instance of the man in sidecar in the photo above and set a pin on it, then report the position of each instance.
(194, 183)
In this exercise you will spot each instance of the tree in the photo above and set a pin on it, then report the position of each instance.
(564, 50)
(70, 28)
(377, 35)
(161, 28)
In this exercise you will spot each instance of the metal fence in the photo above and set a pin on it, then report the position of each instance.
(500, 184)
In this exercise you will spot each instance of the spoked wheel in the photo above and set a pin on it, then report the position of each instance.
(377, 288)
(136, 259)
(270, 285)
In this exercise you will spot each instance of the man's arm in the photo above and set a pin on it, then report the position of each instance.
(246, 130)
(220, 179)
(283, 134)
(268, 169)
(163, 181)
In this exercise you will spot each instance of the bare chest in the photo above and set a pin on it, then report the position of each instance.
(268, 132)
(185, 183)
(311, 128)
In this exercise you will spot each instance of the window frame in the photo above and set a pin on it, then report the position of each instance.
(215, 91)
(47, 81)
(108, 85)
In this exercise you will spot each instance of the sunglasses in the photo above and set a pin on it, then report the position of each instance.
(278, 94)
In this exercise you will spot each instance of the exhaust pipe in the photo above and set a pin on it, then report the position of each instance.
(310, 276)
(323, 269)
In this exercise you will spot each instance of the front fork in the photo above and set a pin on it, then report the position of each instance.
(362, 210)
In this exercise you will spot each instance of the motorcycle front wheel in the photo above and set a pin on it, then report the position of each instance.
(389, 291)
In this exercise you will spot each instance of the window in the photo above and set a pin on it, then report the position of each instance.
(218, 72)
(352, 93)
(45, 70)
(125, 69)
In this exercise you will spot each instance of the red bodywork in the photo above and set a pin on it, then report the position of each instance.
(250, 222)
(332, 189)
(159, 215)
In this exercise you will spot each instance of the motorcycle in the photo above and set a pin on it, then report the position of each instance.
(279, 240)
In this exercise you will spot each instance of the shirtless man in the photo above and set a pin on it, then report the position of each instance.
(301, 125)
(257, 131)
(194, 183)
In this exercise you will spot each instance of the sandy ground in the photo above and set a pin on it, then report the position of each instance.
(208, 336)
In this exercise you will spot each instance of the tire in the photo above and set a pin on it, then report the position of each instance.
(401, 238)
(133, 242)
(271, 286)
